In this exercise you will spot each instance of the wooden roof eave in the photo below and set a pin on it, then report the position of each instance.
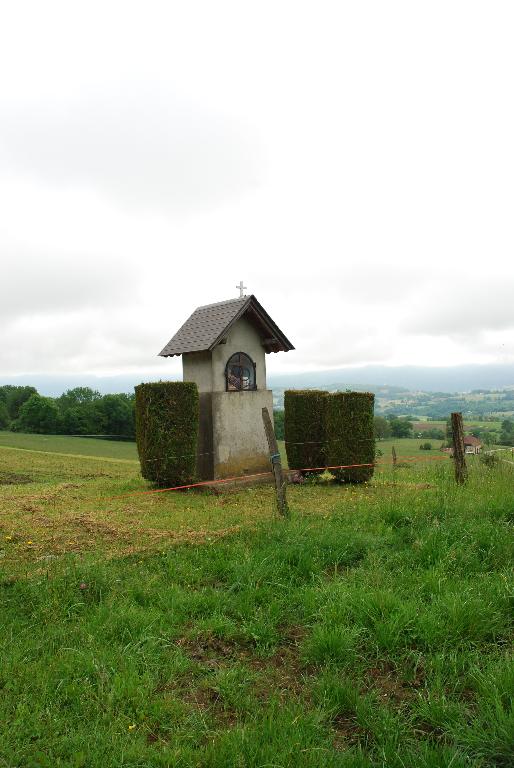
(280, 342)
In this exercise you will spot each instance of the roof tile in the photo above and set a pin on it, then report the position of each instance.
(206, 325)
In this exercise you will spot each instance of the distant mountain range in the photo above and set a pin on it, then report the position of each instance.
(462, 378)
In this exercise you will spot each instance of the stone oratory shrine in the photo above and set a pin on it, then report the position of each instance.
(223, 348)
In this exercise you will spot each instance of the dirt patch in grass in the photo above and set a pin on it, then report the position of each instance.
(98, 527)
(13, 478)
(429, 731)
(211, 651)
(347, 732)
(208, 645)
(388, 685)
(386, 682)
(201, 697)
(282, 674)
(50, 494)
(31, 508)
(196, 694)
(287, 655)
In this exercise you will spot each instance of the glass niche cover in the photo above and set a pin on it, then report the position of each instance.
(240, 373)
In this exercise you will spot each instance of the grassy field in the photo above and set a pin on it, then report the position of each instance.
(374, 628)
(85, 446)
(407, 446)
(468, 424)
(77, 446)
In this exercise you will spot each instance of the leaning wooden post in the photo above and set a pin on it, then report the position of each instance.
(459, 456)
(276, 463)
(393, 453)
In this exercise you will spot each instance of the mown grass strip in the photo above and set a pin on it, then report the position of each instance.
(70, 455)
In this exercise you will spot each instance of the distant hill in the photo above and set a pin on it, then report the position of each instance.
(462, 378)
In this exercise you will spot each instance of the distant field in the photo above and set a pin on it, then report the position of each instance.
(77, 446)
(468, 424)
(112, 449)
(408, 446)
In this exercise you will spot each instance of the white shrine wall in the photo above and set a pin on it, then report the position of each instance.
(197, 367)
(240, 446)
(232, 440)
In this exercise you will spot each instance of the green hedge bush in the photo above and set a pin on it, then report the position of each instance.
(167, 419)
(349, 435)
(304, 428)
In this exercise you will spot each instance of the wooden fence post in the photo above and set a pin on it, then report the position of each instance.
(276, 463)
(393, 453)
(459, 456)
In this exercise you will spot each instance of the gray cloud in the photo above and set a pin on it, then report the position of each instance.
(148, 162)
(82, 340)
(140, 144)
(467, 311)
(47, 284)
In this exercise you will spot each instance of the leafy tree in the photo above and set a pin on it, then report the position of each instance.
(78, 396)
(14, 397)
(507, 432)
(489, 437)
(381, 427)
(38, 414)
(400, 427)
(278, 418)
(118, 413)
(434, 433)
(81, 410)
(84, 419)
(4, 415)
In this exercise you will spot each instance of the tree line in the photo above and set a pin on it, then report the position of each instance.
(79, 411)
(394, 426)
(84, 411)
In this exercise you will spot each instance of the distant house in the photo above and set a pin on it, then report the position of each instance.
(472, 444)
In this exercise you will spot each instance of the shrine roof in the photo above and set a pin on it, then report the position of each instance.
(208, 326)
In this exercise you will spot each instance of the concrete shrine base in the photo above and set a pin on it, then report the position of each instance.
(232, 441)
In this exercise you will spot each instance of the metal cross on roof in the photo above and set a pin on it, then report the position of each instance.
(241, 289)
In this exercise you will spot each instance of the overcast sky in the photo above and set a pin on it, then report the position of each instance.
(352, 162)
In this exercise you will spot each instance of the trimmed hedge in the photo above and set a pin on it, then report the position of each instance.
(167, 420)
(304, 428)
(349, 435)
